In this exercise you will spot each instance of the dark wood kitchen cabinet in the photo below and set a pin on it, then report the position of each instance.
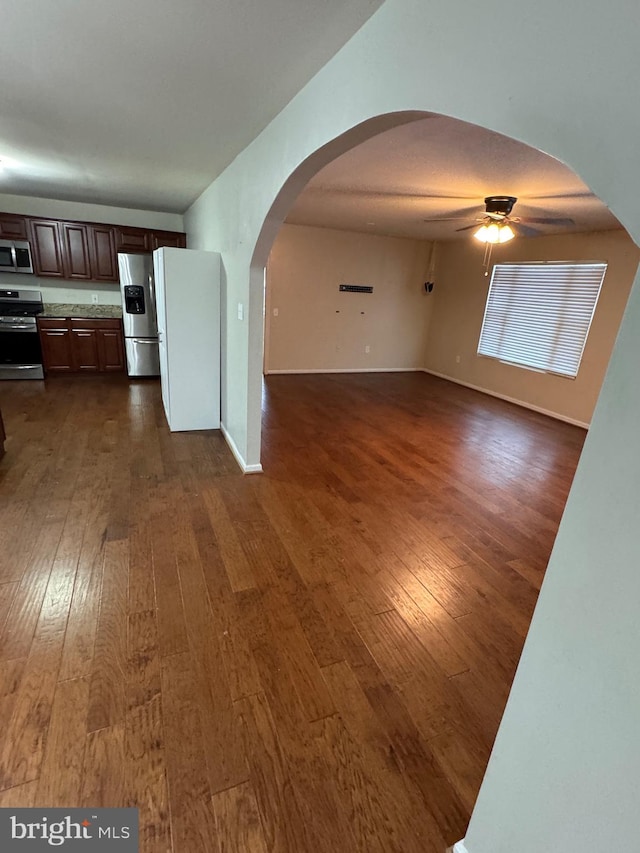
(55, 341)
(82, 251)
(142, 240)
(111, 348)
(13, 227)
(172, 239)
(73, 345)
(46, 248)
(84, 349)
(102, 251)
(130, 239)
(75, 251)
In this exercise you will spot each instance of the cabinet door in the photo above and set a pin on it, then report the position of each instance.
(46, 248)
(173, 239)
(132, 239)
(111, 350)
(75, 251)
(85, 349)
(56, 350)
(102, 251)
(13, 227)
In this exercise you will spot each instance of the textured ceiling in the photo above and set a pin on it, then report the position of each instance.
(142, 103)
(398, 182)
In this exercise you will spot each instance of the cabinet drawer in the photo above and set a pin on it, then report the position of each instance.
(95, 323)
(53, 323)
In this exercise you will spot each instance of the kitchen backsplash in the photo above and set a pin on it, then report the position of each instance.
(68, 292)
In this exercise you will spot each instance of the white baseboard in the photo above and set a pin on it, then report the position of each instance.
(522, 403)
(246, 469)
(349, 370)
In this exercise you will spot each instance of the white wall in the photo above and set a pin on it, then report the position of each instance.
(318, 328)
(79, 293)
(564, 772)
(458, 309)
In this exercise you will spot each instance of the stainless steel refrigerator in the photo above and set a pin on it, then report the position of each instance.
(139, 314)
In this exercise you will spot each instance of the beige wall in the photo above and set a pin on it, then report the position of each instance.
(458, 308)
(319, 328)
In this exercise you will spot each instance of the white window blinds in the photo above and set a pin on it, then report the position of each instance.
(538, 314)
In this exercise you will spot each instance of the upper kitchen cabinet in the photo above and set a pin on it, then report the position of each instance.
(170, 239)
(132, 239)
(75, 251)
(141, 240)
(46, 248)
(13, 227)
(83, 251)
(102, 251)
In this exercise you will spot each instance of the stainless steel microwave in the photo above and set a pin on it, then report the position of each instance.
(15, 256)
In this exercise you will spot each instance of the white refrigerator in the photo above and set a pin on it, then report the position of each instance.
(188, 307)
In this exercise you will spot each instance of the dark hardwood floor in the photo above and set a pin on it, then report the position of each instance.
(313, 659)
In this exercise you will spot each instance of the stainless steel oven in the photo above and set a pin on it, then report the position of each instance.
(20, 353)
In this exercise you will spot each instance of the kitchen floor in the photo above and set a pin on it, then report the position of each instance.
(311, 659)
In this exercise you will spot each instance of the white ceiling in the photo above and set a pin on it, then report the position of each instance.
(440, 167)
(142, 103)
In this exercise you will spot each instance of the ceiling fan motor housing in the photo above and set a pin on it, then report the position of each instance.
(502, 204)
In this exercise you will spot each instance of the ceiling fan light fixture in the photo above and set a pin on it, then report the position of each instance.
(494, 232)
(506, 234)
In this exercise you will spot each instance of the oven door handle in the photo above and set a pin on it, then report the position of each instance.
(18, 366)
(17, 327)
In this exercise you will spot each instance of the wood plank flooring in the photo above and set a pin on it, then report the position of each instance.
(314, 659)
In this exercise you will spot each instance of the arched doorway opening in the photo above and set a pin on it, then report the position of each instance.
(423, 178)
(259, 283)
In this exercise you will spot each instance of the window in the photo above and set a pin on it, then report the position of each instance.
(538, 314)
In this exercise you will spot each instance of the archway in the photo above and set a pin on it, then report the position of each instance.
(511, 753)
(425, 155)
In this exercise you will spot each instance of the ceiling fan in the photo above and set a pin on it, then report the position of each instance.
(498, 226)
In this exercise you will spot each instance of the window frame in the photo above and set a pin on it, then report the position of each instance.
(554, 320)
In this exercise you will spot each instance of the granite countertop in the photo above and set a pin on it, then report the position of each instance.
(59, 309)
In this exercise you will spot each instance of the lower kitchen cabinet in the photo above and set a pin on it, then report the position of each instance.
(111, 349)
(55, 340)
(71, 345)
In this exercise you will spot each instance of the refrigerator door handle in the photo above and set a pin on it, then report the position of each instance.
(144, 340)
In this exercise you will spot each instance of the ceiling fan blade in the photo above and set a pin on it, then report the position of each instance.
(468, 227)
(446, 219)
(525, 230)
(549, 220)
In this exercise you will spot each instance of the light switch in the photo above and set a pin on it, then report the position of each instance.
(275, 312)
(240, 311)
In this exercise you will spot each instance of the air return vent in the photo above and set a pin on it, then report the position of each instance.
(355, 288)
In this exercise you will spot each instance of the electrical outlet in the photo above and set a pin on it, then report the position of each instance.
(240, 311)
(275, 312)
(94, 298)
(367, 348)
(457, 359)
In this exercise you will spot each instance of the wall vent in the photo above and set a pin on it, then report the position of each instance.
(355, 288)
